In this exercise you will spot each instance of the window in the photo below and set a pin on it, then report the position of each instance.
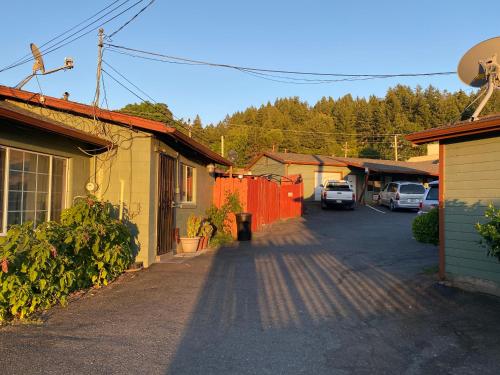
(32, 187)
(433, 193)
(338, 187)
(412, 189)
(186, 182)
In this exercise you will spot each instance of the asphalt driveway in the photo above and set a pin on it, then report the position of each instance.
(336, 292)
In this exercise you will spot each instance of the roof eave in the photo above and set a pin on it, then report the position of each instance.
(458, 131)
(50, 127)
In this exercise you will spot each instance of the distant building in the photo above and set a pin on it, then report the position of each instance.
(367, 176)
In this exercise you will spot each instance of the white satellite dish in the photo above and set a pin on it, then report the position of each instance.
(479, 67)
(39, 66)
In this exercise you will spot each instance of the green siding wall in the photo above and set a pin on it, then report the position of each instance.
(472, 181)
(267, 165)
(38, 141)
(129, 172)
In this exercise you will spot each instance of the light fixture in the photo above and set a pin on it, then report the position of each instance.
(211, 168)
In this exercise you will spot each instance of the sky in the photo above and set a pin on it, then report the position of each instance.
(353, 37)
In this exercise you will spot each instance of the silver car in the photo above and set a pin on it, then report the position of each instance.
(402, 195)
(431, 198)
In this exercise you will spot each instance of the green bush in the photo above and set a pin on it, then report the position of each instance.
(426, 227)
(219, 217)
(42, 265)
(490, 231)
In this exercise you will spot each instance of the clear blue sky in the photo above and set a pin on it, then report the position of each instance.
(325, 36)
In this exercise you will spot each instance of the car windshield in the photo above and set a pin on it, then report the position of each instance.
(433, 193)
(336, 187)
(412, 189)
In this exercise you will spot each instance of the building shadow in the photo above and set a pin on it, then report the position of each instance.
(263, 301)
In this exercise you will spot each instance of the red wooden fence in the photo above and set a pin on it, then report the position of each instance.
(265, 199)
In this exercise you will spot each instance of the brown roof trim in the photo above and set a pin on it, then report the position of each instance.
(484, 125)
(113, 117)
(52, 127)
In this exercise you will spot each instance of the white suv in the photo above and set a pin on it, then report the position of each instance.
(402, 195)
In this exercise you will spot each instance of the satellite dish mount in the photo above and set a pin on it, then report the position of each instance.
(479, 67)
(39, 66)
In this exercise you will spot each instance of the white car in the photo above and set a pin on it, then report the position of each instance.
(402, 194)
(431, 198)
(337, 193)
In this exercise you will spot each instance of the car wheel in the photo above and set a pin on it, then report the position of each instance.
(392, 207)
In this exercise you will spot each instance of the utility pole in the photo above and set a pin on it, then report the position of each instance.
(396, 147)
(345, 149)
(222, 145)
(99, 67)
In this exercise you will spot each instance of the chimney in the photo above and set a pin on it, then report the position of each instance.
(65, 95)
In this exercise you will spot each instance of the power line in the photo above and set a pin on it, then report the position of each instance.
(64, 32)
(131, 19)
(58, 45)
(262, 70)
(176, 120)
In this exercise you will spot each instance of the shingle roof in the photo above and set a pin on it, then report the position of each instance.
(293, 158)
(391, 166)
(113, 117)
(374, 165)
(26, 118)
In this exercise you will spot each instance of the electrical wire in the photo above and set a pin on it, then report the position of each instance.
(130, 20)
(64, 32)
(65, 41)
(263, 70)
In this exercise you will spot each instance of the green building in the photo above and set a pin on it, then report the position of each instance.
(54, 150)
(469, 182)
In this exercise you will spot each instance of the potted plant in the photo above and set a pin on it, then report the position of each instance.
(206, 232)
(191, 241)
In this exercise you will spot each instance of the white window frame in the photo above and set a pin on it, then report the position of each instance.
(183, 183)
(3, 228)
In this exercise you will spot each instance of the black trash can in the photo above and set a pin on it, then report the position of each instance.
(244, 226)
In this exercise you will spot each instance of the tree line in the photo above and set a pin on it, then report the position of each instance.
(357, 127)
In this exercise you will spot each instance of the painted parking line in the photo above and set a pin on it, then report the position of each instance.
(375, 209)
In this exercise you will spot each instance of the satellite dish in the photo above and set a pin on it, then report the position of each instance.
(38, 64)
(479, 67)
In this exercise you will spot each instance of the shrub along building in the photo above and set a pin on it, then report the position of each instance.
(367, 176)
(53, 150)
(469, 182)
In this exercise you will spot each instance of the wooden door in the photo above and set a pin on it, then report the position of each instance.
(166, 185)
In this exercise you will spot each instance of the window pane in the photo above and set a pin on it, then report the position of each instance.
(15, 180)
(29, 162)
(41, 201)
(15, 160)
(58, 188)
(14, 217)
(29, 200)
(189, 184)
(412, 189)
(29, 181)
(28, 216)
(42, 183)
(43, 164)
(15, 200)
(2, 181)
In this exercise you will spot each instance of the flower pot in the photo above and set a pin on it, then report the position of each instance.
(190, 244)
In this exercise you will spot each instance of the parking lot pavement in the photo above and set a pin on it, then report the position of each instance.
(335, 292)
